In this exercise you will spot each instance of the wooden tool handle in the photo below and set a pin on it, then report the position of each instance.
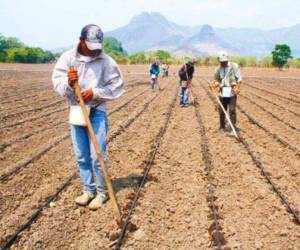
(227, 116)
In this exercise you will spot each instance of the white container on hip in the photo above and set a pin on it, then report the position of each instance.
(76, 116)
(227, 92)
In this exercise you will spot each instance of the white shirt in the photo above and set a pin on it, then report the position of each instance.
(100, 73)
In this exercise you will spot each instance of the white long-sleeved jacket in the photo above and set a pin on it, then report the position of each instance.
(100, 73)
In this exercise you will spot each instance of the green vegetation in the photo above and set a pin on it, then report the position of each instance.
(162, 55)
(243, 61)
(293, 63)
(138, 58)
(149, 57)
(29, 55)
(114, 48)
(266, 61)
(13, 50)
(281, 54)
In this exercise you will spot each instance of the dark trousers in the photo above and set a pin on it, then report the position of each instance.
(228, 103)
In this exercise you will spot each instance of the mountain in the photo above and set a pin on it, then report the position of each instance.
(290, 34)
(247, 41)
(152, 31)
(204, 43)
(145, 31)
(148, 30)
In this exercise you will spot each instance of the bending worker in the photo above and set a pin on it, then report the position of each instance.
(186, 74)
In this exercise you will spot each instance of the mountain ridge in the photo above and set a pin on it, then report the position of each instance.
(152, 31)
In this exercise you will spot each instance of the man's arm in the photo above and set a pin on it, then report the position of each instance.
(217, 81)
(238, 77)
(237, 88)
(237, 73)
(217, 77)
(60, 78)
(114, 86)
(192, 73)
(151, 70)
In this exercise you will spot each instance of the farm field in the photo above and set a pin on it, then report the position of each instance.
(202, 189)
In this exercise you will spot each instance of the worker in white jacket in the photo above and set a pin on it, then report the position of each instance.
(100, 80)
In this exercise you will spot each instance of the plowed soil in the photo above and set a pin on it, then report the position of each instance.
(174, 210)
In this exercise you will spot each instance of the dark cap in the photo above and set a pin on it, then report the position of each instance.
(93, 36)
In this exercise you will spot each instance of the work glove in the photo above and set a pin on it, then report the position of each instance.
(72, 76)
(236, 90)
(214, 86)
(87, 95)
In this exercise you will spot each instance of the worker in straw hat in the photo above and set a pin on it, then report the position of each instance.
(228, 83)
(100, 81)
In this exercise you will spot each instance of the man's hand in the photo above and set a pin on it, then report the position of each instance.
(87, 95)
(237, 89)
(214, 86)
(72, 76)
(189, 83)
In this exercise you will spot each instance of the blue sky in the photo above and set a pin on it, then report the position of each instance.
(57, 23)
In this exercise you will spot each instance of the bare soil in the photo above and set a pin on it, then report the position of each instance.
(173, 211)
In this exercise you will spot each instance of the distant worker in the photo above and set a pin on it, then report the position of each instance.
(154, 73)
(186, 74)
(100, 81)
(228, 81)
(165, 69)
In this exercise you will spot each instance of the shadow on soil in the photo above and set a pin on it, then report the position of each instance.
(130, 181)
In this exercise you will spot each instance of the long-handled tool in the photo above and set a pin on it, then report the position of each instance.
(99, 155)
(226, 114)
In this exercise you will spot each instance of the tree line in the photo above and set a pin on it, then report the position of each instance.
(12, 50)
(281, 57)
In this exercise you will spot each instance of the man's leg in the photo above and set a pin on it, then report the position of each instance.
(186, 96)
(222, 115)
(81, 147)
(100, 126)
(232, 110)
(180, 92)
(155, 83)
(182, 96)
